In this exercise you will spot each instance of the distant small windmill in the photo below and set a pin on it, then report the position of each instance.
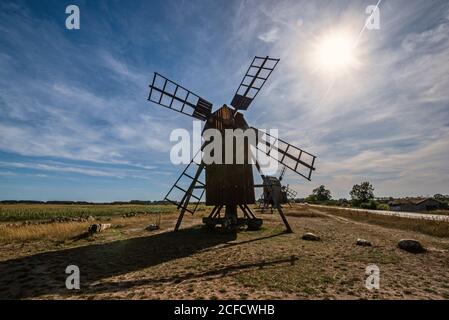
(228, 186)
(274, 193)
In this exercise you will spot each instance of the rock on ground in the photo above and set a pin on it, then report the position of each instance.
(410, 245)
(152, 227)
(310, 237)
(363, 242)
(98, 227)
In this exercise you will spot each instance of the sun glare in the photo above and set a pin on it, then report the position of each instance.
(335, 53)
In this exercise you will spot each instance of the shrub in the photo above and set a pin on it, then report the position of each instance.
(383, 206)
(369, 205)
(311, 199)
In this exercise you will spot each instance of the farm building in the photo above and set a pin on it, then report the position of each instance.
(415, 204)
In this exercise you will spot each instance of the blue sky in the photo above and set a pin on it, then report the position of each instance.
(75, 123)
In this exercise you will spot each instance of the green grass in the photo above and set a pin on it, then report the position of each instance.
(442, 212)
(30, 212)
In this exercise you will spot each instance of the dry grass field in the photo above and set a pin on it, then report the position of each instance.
(128, 262)
(430, 227)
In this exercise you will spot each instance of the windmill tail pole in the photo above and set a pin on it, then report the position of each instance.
(186, 198)
(284, 219)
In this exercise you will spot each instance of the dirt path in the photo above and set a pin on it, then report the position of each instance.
(411, 215)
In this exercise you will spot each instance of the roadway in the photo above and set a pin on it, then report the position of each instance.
(411, 215)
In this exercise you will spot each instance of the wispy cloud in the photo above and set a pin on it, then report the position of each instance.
(80, 98)
(59, 167)
(369, 124)
(269, 36)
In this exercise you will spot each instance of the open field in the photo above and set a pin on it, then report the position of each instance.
(30, 212)
(127, 262)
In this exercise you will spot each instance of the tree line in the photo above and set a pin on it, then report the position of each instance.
(362, 196)
(66, 202)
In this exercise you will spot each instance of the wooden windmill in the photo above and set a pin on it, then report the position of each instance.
(274, 194)
(227, 186)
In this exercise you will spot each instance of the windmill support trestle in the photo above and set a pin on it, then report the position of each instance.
(230, 221)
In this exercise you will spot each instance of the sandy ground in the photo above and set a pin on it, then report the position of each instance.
(127, 262)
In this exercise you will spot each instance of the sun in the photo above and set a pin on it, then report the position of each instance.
(335, 53)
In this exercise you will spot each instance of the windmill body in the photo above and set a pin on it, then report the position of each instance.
(274, 193)
(228, 186)
(229, 183)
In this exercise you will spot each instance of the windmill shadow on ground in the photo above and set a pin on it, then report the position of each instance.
(44, 273)
(233, 268)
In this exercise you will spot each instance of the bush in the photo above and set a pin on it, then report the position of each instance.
(369, 205)
(330, 203)
(383, 206)
(311, 199)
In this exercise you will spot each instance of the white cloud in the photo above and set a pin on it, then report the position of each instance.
(60, 167)
(124, 70)
(269, 36)
(386, 121)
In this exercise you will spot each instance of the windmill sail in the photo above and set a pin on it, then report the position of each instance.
(256, 76)
(173, 96)
(291, 194)
(294, 158)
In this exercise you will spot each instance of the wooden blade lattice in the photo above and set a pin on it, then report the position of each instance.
(294, 158)
(175, 97)
(255, 77)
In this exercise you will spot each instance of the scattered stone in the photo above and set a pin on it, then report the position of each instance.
(152, 227)
(310, 237)
(363, 243)
(90, 218)
(410, 245)
(130, 214)
(98, 227)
